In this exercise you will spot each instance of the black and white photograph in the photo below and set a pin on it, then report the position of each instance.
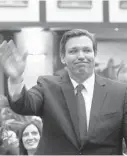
(63, 77)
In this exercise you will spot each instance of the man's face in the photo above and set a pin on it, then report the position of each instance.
(31, 137)
(79, 56)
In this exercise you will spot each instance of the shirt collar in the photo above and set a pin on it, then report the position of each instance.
(88, 84)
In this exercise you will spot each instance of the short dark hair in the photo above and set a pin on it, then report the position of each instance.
(75, 33)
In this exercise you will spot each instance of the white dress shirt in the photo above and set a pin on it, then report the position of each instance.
(87, 94)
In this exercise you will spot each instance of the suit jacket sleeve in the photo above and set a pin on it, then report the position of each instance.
(30, 101)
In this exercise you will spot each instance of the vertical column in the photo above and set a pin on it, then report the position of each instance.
(39, 44)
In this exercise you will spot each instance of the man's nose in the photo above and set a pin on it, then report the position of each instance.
(81, 55)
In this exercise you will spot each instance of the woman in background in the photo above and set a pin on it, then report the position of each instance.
(29, 137)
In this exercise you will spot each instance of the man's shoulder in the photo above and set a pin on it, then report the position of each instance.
(111, 83)
(48, 78)
(56, 77)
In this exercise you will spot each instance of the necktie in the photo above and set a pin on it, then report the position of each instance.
(81, 113)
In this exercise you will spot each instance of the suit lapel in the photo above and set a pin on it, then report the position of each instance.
(68, 92)
(97, 102)
(99, 96)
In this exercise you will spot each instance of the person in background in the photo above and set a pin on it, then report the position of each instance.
(3, 101)
(29, 136)
(111, 70)
(124, 148)
(10, 141)
(6, 113)
(83, 113)
(122, 74)
(3, 150)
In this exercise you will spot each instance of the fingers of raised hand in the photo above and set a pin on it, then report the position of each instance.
(3, 47)
(12, 46)
(10, 54)
(17, 55)
(8, 50)
(5, 52)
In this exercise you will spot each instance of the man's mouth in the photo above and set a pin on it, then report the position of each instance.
(82, 63)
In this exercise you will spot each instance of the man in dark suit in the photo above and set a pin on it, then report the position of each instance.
(82, 112)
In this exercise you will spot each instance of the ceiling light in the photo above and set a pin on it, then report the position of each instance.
(75, 4)
(116, 29)
(123, 4)
(29, 29)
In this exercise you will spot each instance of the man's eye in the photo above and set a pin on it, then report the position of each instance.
(87, 50)
(73, 51)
